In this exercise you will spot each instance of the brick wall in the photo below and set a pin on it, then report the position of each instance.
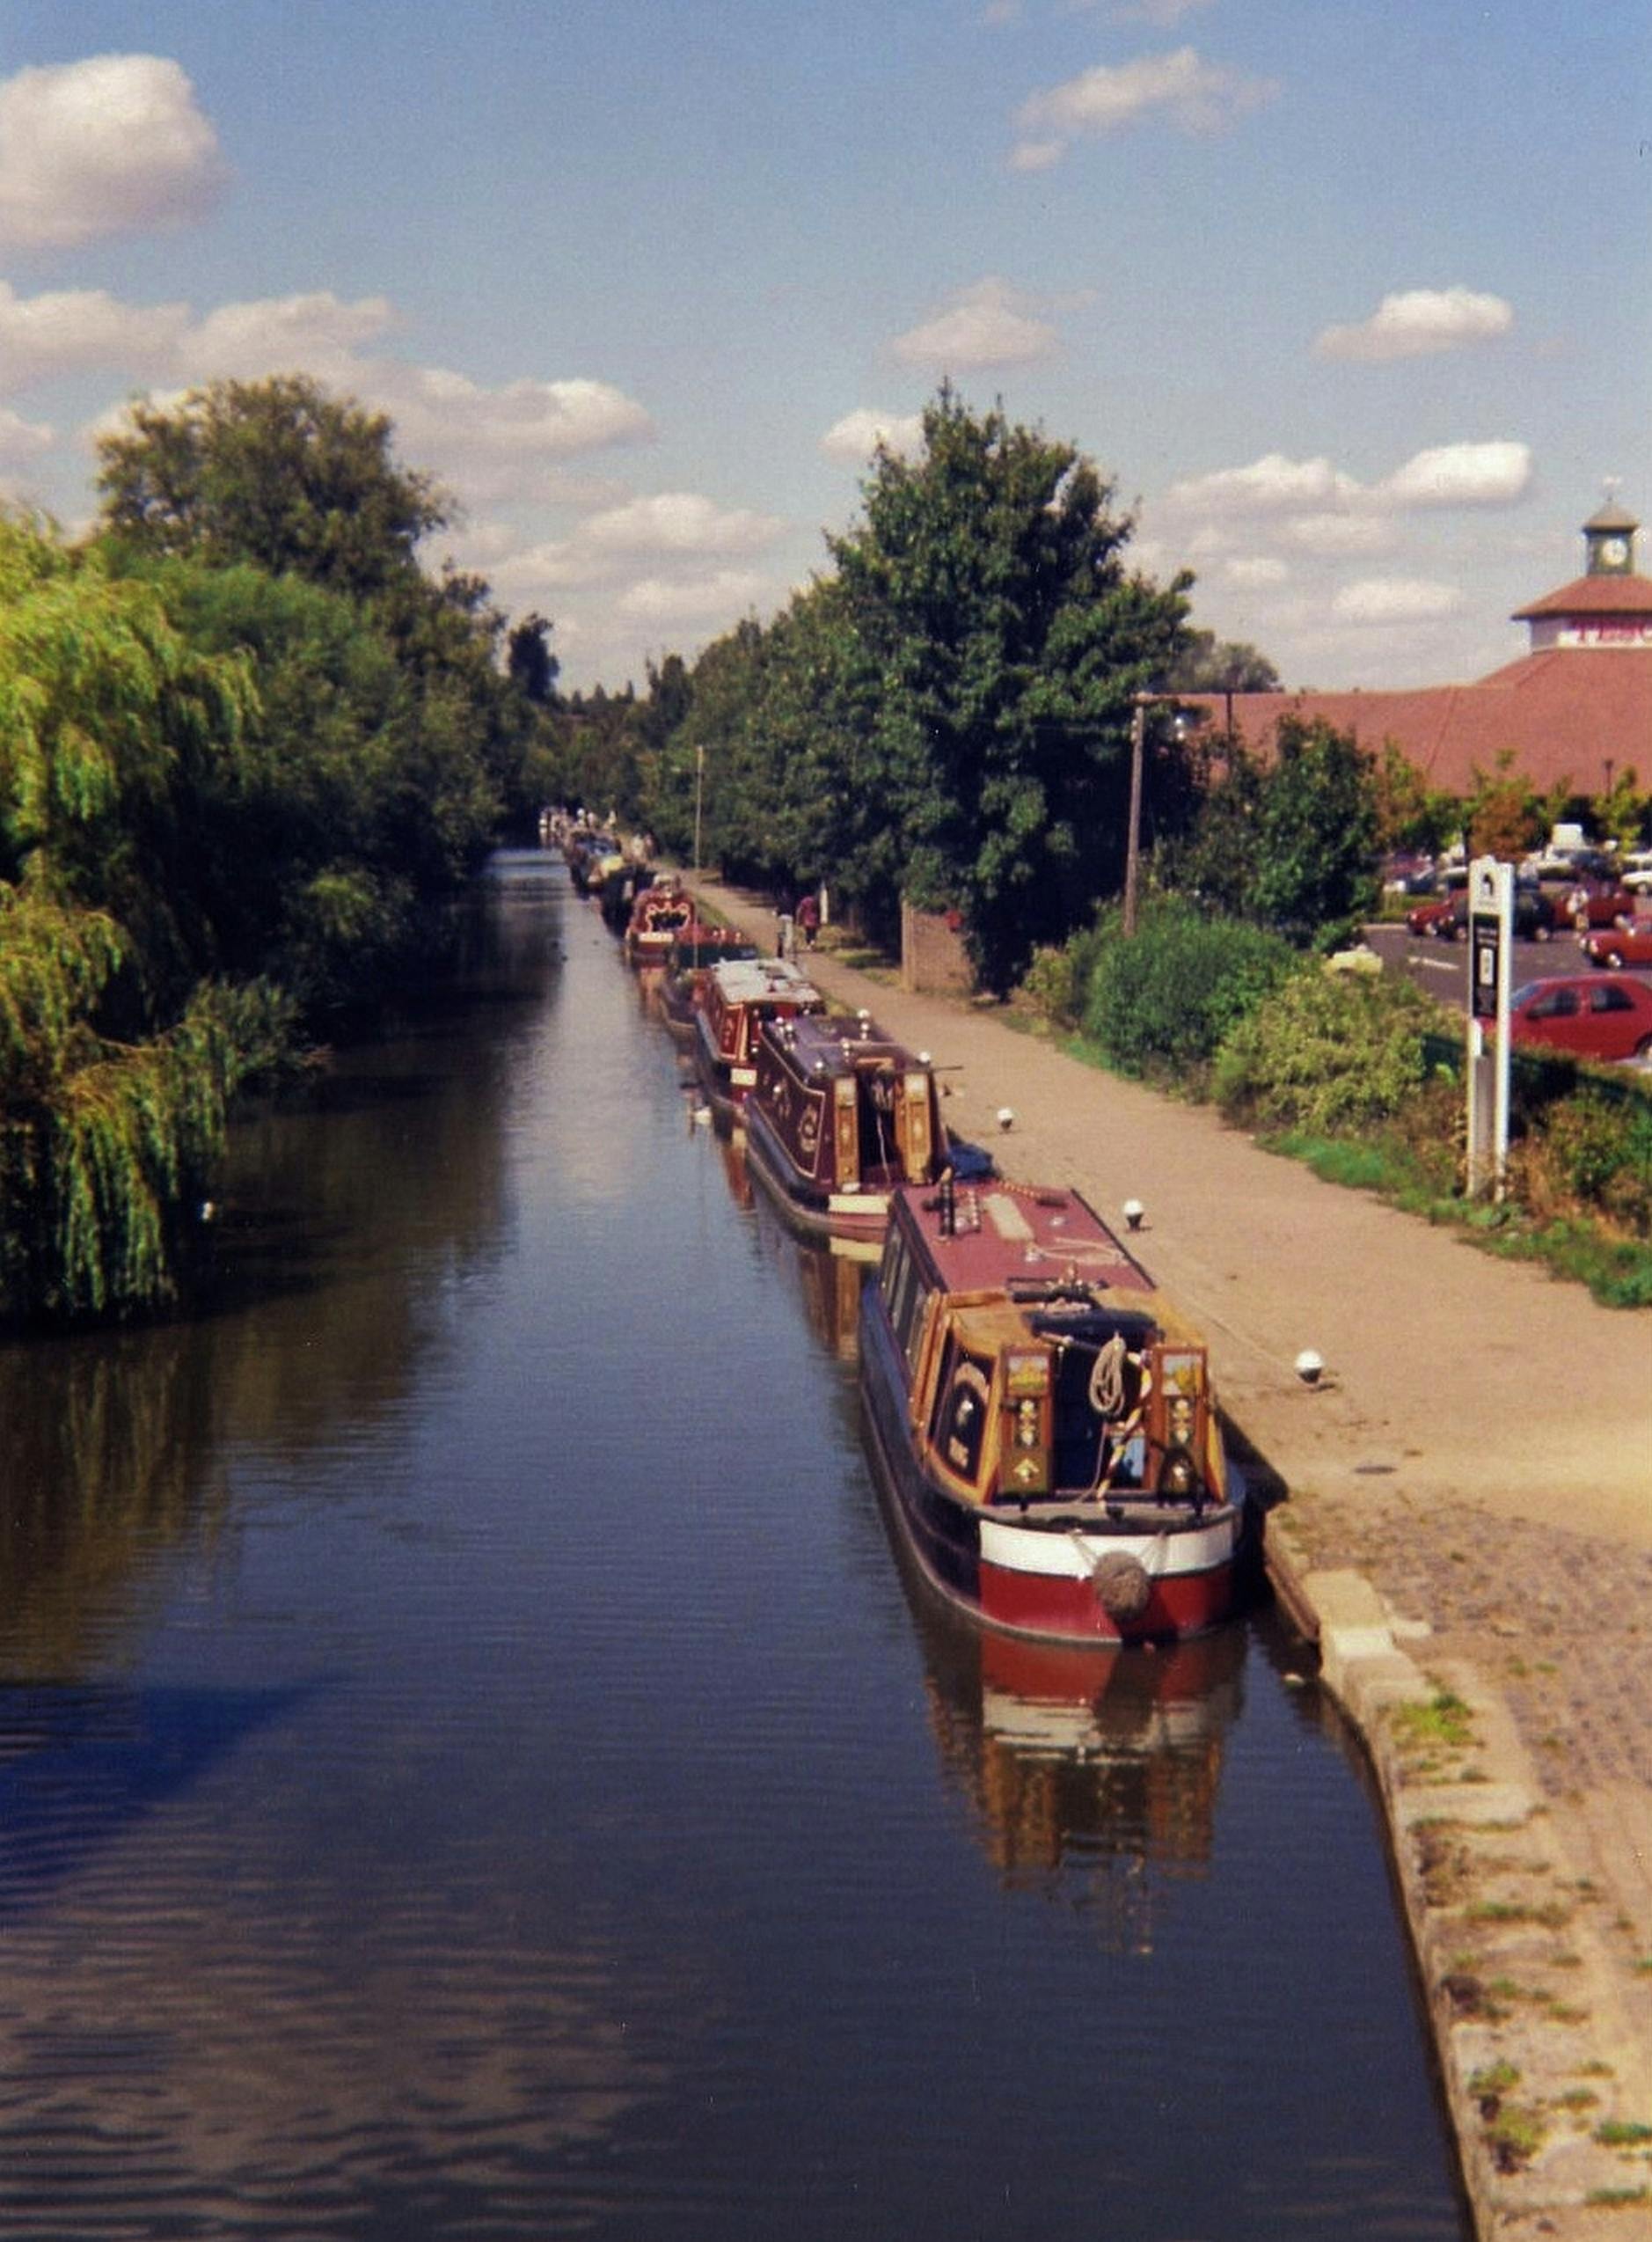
(934, 960)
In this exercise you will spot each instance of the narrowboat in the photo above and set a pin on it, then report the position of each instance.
(838, 1114)
(1043, 1422)
(692, 954)
(732, 1002)
(658, 916)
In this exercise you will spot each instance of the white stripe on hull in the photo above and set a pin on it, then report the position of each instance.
(1074, 1557)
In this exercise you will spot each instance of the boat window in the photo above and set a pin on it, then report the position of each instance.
(904, 1294)
(960, 1422)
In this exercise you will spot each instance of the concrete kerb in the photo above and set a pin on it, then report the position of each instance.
(1535, 2052)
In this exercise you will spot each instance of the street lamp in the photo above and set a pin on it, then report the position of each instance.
(699, 794)
(1140, 704)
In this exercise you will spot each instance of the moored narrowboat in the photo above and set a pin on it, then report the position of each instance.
(731, 1004)
(1044, 1422)
(837, 1114)
(659, 914)
(692, 954)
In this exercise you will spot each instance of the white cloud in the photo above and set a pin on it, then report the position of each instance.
(720, 598)
(1270, 484)
(315, 333)
(1160, 12)
(989, 324)
(22, 440)
(859, 434)
(1257, 574)
(1395, 599)
(110, 145)
(41, 336)
(673, 531)
(1336, 536)
(679, 521)
(1036, 155)
(1196, 96)
(1419, 322)
(1461, 474)
(1327, 506)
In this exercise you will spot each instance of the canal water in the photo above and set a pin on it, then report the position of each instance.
(471, 1764)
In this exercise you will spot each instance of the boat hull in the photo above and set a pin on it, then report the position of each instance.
(859, 1217)
(1042, 1579)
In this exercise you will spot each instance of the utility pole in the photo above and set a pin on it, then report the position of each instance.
(1133, 832)
(699, 794)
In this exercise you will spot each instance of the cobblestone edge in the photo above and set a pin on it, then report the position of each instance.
(1535, 2051)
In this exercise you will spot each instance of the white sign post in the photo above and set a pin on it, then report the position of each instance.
(1490, 941)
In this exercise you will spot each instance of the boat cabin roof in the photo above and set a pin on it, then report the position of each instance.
(698, 944)
(838, 1043)
(762, 980)
(1044, 1246)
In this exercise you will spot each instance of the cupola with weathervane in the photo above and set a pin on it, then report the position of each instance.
(1609, 541)
(1608, 605)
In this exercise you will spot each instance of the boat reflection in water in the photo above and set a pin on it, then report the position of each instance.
(1099, 1765)
(825, 1276)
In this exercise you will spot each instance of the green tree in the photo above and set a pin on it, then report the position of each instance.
(1316, 832)
(1410, 813)
(275, 472)
(1204, 663)
(1505, 816)
(987, 589)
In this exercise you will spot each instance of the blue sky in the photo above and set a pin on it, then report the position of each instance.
(1352, 299)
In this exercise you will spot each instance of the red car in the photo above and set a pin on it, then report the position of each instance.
(1431, 916)
(1609, 1016)
(1623, 946)
(1597, 902)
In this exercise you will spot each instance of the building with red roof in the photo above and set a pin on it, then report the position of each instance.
(1575, 709)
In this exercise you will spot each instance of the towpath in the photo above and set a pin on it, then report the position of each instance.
(1466, 1507)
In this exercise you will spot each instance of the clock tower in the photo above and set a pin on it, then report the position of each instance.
(1609, 542)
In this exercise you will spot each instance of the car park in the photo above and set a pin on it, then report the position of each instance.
(1606, 1017)
(1617, 947)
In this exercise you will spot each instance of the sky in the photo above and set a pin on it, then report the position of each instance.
(1350, 301)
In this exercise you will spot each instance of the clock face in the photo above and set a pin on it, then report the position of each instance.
(1614, 552)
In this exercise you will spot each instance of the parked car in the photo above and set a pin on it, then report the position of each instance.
(1620, 946)
(1636, 871)
(1537, 915)
(1427, 918)
(1607, 1017)
(1600, 903)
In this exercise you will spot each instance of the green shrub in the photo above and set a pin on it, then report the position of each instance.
(1162, 1001)
(1595, 1150)
(1326, 1051)
(1058, 982)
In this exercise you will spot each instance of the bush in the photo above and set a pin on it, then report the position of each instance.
(1326, 1051)
(1163, 1000)
(1058, 982)
(1593, 1152)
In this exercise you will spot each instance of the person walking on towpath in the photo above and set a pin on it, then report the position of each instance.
(807, 917)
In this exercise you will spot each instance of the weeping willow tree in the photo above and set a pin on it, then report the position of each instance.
(117, 1056)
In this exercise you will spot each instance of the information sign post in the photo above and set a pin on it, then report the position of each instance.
(1490, 941)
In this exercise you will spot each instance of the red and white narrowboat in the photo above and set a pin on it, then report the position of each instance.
(659, 914)
(1044, 1423)
(837, 1114)
(732, 1003)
